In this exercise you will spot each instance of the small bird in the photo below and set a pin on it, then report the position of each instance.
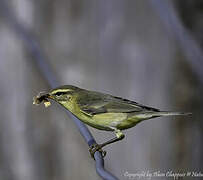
(101, 111)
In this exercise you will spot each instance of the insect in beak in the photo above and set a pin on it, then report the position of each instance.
(42, 97)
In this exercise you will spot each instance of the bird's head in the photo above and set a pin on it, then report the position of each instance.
(62, 95)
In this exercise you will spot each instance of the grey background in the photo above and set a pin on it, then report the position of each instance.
(119, 47)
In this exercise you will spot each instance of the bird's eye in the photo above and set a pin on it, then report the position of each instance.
(59, 93)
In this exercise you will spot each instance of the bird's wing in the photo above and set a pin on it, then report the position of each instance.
(92, 103)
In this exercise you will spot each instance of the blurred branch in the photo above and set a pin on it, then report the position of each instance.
(190, 47)
(39, 58)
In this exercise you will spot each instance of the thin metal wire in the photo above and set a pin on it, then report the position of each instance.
(40, 60)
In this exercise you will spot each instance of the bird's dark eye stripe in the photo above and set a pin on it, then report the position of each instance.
(59, 93)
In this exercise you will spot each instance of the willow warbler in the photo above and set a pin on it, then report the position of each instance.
(101, 111)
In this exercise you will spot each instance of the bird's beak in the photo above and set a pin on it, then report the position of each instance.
(49, 96)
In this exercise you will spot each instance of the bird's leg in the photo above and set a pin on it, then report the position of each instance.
(98, 147)
(119, 136)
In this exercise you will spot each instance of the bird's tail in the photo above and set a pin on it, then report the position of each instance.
(169, 113)
(149, 115)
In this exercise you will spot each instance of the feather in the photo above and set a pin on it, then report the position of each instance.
(93, 103)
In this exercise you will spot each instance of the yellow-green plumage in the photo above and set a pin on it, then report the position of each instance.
(102, 111)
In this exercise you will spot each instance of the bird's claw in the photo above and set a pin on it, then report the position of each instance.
(96, 147)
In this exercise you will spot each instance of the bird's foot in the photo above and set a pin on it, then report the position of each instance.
(96, 147)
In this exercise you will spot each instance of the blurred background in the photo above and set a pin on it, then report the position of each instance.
(149, 51)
